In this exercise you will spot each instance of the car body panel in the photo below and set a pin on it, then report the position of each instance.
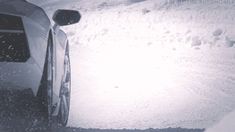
(26, 9)
(20, 76)
(37, 40)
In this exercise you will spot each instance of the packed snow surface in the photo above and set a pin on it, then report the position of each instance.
(225, 125)
(148, 63)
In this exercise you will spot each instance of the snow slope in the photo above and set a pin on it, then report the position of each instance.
(225, 125)
(142, 64)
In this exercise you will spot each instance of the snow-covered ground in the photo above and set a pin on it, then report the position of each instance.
(225, 125)
(142, 64)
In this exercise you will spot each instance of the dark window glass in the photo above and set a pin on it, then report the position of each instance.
(10, 22)
(13, 42)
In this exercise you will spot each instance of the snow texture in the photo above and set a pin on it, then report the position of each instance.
(225, 125)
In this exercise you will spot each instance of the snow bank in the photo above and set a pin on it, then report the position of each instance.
(153, 65)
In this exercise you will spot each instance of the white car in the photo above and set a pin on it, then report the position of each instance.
(34, 55)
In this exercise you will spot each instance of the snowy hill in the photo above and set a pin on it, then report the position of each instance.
(142, 64)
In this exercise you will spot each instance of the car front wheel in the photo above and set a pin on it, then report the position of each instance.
(65, 91)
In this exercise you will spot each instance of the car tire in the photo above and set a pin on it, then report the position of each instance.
(65, 91)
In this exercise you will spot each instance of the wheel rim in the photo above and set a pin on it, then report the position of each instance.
(65, 91)
(49, 84)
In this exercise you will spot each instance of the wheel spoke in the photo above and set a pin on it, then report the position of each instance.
(65, 107)
(65, 91)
